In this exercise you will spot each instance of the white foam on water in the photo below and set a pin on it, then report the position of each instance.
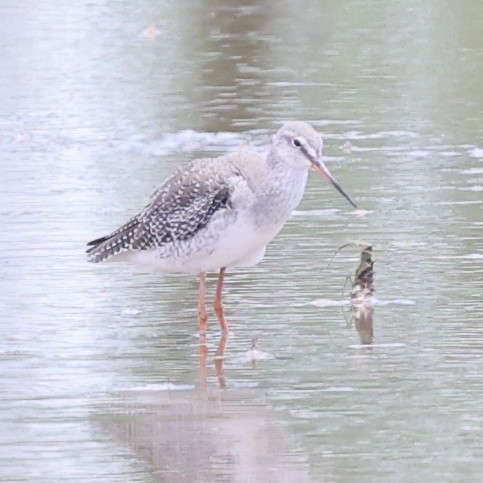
(316, 213)
(253, 355)
(473, 171)
(419, 153)
(369, 301)
(389, 345)
(380, 135)
(376, 301)
(129, 311)
(165, 386)
(330, 303)
(339, 389)
(475, 152)
(361, 213)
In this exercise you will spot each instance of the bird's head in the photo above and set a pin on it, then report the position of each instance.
(300, 145)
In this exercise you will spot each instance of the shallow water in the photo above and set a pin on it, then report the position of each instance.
(103, 377)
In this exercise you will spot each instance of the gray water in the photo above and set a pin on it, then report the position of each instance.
(102, 374)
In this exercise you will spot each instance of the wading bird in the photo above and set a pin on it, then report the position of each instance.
(219, 213)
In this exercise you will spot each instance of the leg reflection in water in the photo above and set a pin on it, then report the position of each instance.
(219, 360)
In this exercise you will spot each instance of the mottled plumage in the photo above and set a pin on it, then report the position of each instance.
(219, 212)
(179, 209)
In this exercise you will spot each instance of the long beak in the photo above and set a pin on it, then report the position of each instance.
(321, 168)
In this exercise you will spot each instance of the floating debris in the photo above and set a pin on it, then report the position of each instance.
(363, 284)
(151, 32)
(361, 294)
(129, 311)
(346, 147)
(253, 355)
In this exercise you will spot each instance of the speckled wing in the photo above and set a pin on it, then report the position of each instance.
(181, 207)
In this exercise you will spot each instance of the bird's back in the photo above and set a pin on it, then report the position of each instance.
(181, 207)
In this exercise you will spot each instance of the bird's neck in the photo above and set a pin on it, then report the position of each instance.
(280, 192)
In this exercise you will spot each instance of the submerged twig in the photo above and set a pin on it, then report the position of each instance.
(363, 281)
(363, 284)
(361, 292)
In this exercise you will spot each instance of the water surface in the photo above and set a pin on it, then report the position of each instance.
(102, 374)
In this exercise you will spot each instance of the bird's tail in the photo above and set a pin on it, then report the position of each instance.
(111, 245)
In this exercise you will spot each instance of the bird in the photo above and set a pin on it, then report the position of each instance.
(215, 214)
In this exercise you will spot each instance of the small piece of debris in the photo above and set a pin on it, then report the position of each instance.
(151, 32)
(346, 147)
(131, 311)
(362, 290)
(253, 355)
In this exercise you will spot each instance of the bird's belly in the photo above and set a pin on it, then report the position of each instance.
(240, 244)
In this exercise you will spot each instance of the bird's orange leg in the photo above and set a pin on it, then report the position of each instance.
(202, 314)
(220, 313)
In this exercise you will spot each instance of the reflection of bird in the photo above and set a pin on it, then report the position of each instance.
(218, 213)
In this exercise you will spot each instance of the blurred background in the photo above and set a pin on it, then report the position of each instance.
(102, 377)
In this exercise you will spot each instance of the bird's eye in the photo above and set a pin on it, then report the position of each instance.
(297, 143)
